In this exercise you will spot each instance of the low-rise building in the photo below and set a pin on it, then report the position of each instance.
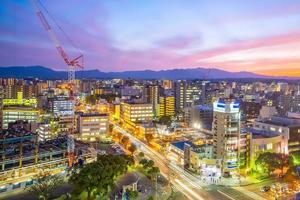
(134, 113)
(288, 127)
(23, 158)
(62, 106)
(20, 101)
(92, 125)
(16, 113)
(196, 157)
(147, 131)
(261, 141)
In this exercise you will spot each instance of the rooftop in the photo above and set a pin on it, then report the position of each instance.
(180, 144)
(15, 133)
(93, 114)
(281, 121)
(259, 133)
(204, 107)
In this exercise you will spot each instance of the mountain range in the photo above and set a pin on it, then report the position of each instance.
(42, 72)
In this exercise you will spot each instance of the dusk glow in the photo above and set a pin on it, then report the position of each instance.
(256, 36)
(150, 99)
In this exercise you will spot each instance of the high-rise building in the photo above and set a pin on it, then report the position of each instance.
(282, 87)
(193, 92)
(180, 88)
(201, 117)
(226, 134)
(167, 84)
(166, 106)
(186, 94)
(1, 107)
(284, 103)
(154, 93)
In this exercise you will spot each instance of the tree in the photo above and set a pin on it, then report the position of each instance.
(269, 162)
(294, 162)
(149, 169)
(132, 148)
(125, 141)
(283, 160)
(153, 172)
(141, 155)
(132, 194)
(166, 120)
(295, 158)
(98, 178)
(45, 185)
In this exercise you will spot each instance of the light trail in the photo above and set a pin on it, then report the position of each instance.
(226, 195)
(189, 190)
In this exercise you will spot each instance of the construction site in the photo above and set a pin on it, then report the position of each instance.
(24, 157)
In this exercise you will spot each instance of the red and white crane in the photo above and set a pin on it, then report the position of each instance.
(73, 63)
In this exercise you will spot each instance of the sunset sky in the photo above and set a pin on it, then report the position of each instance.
(260, 36)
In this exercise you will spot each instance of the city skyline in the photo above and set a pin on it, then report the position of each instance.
(260, 37)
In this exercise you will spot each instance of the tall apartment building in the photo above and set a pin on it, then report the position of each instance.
(180, 88)
(226, 134)
(289, 103)
(166, 106)
(186, 94)
(154, 93)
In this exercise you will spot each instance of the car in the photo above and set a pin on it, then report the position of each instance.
(265, 188)
(281, 175)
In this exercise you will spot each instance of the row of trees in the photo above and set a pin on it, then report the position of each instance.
(268, 162)
(125, 141)
(95, 179)
(149, 169)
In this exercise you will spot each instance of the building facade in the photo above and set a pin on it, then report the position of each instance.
(133, 113)
(226, 134)
(92, 125)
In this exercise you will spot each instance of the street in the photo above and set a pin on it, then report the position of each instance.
(186, 183)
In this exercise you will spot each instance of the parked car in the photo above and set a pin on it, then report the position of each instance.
(265, 188)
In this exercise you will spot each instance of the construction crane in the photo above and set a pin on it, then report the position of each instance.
(72, 63)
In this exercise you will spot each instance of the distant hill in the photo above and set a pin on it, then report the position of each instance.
(193, 73)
